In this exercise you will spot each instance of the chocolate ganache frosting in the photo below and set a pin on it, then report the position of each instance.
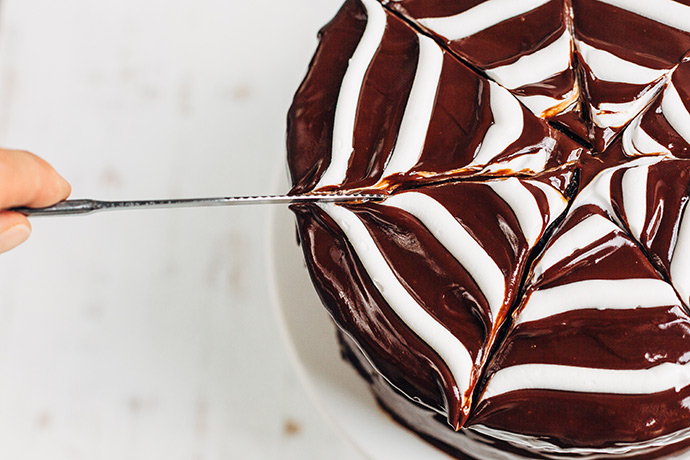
(523, 290)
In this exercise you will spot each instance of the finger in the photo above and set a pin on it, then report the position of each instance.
(14, 230)
(27, 180)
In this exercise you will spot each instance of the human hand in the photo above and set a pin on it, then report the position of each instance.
(25, 180)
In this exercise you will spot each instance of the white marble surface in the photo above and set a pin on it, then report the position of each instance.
(150, 335)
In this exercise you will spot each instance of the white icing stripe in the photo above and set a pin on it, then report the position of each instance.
(459, 243)
(480, 17)
(524, 206)
(637, 142)
(348, 98)
(659, 378)
(609, 67)
(420, 106)
(546, 106)
(539, 104)
(634, 187)
(579, 236)
(536, 67)
(628, 142)
(506, 128)
(623, 294)
(610, 114)
(555, 199)
(597, 192)
(646, 144)
(675, 112)
(680, 263)
(448, 347)
(529, 163)
(667, 12)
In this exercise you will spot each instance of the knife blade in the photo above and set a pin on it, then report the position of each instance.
(89, 206)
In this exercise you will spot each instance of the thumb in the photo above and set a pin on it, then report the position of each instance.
(14, 230)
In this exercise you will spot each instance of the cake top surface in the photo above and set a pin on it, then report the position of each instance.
(535, 154)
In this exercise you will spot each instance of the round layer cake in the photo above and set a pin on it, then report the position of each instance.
(523, 290)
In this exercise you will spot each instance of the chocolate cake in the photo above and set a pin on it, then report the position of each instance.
(523, 290)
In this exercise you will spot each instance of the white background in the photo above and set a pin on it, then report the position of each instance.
(150, 334)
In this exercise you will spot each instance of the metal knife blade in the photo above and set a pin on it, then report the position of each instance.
(88, 206)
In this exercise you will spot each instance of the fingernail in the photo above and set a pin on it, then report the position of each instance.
(14, 236)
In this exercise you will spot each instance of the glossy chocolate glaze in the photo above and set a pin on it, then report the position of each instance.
(462, 444)
(586, 420)
(591, 338)
(667, 191)
(629, 36)
(577, 268)
(655, 123)
(497, 46)
(614, 256)
(310, 119)
(410, 378)
(462, 110)
(441, 284)
(389, 344)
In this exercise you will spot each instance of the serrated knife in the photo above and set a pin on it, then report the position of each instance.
(88, 206)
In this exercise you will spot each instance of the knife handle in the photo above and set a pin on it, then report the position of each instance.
(63, 208)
